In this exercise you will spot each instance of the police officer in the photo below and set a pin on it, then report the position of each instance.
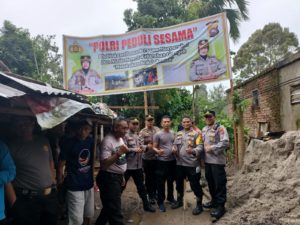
(187, 148)
(134, 162)
(85, 79)
(149, 156)
(206, 67)
(216, 141)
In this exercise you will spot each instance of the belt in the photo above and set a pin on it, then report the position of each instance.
(110, 173)
(28, 192)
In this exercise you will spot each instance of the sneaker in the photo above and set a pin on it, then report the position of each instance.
(171, 201)
(162, 207)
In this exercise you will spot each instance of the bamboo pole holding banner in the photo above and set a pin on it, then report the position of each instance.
(146, 103)
(236, 155)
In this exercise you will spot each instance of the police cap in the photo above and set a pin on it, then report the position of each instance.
(149, 117)
(203, 44)
(134, 120)
(85, 58)
(210, 113)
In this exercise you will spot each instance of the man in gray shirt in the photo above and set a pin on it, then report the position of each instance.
(166, 163)
(134, 162)
(110, 177)
(36, 199)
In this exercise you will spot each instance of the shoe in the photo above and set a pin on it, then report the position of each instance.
(198, 209)
(162, 207)
(152, 201)
(209, 205)
(177, 204)
(218, 212)
(148, 208)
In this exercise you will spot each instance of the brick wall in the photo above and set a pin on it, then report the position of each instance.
(269, 103)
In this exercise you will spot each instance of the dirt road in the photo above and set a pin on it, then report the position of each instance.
(134, 214)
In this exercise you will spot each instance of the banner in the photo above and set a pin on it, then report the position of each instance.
(148, 59)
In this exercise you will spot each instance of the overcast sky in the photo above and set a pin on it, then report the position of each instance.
(95, 17)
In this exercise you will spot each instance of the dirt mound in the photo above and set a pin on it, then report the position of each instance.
(267, 188)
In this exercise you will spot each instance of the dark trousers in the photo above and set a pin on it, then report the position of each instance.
(150, 176)
(166, 171)
(194, 178)
(110, 186)
(138, 178)
(216, 179)
(35, 209)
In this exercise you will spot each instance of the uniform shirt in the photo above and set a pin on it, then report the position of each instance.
(109, 146)
(165, 141)
(78, 155)
(134, 159)
(7, 174)
(185, 139)
(32, 159)
(89, 81)
(146, 137)
(216, 136)
(209, 68)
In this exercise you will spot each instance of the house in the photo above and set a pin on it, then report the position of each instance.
(274, 97)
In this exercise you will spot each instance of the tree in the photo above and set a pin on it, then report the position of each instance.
(161, 13)
(35, 57)
(264, 48)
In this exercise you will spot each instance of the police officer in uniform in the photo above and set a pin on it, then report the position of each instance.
(187, 148)
(149, 156)
(216, 141)
(85, 79)
(206, 67)
(134, 162)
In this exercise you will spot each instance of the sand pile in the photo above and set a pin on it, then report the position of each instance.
(267, 188)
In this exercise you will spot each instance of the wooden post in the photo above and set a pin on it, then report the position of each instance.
(193, 103)
(95, 134)
(236, 155)
(145, 103)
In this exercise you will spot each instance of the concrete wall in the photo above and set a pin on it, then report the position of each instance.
(289, 114)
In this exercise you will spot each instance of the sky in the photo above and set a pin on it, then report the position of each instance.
(96, 17)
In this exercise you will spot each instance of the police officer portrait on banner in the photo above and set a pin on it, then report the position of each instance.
(206, 67)
(85, 79)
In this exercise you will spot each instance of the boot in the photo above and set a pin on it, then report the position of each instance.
(147, 206)
(198, 209)
(218, 212)
(178, 203)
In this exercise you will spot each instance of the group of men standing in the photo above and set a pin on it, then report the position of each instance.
(163, 157)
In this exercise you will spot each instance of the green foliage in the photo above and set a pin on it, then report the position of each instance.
(264, 48)
(172, 102)
(35, 57)
(239, 106)
(162, 13)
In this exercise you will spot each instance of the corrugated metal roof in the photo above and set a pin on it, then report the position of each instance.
(40, 87)
(9, 92)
